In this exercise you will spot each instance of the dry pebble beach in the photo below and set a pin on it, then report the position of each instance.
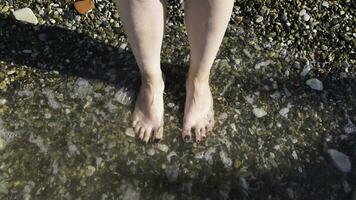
(284, 86)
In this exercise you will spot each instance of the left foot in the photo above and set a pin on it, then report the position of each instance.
(198, 111)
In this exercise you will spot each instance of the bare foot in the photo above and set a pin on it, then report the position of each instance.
(148, 113)
(198, 112)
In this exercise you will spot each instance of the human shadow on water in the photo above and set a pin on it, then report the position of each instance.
(75, 54)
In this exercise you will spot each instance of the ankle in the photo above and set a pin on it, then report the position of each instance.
(197, 80)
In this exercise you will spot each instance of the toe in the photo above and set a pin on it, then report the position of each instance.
(158, 134)
(197, 134)
(186, 134)
(148, 134)
(134, 122)
(137, 128)
(203, 132)
(142, 133)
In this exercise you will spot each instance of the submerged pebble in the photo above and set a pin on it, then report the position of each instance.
(340, 160)
(130, 132)
(315, 84)
(25, 15)
(172, 172)
(259, 112)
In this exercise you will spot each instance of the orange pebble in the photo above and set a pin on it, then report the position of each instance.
(84, 6)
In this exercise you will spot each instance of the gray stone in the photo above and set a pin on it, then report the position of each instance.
(52, 102)
(130, 132)
(315, 84)
(25, 15)
(340, 160)
(325, 4)
(259, 112)
(82, 88)
(259, 19)
(162, 147)
(264, 64)
(172, 172)
(123, 96)
(350, 128)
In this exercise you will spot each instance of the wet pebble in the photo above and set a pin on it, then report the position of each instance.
(162, 147)
(315, 84)
(259, 112)
(350, 128)
(340, 160)
(52, 102)
(259, 19)
(225, 159)
(325, 4)
(122, 96)
(82, 88)
(89, 171)
(264, 64)
(150, 152)
(130, 132)
(25, 15)
(172, 172)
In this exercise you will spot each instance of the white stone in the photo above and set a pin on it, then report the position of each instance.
(259, 19)
(162, 147)
(25, 15)
(130, 132)
(264, 64)
(340, 160)
(325, 4)
(302, 12)
(306, 17)
(259, 112)
(315, 84)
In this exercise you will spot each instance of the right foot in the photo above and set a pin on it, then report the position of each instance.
(148, 113)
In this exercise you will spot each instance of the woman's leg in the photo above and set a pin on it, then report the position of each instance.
(206, 22)
(143, 21)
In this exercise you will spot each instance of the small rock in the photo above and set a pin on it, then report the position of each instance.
(25, 15)
(350, 127)
(264, 64)
(259, 112)
(162, 147)
(150, 152)
(84, 6)
(223, 117)
(315, 84)
(25, 93)
(172, 172)
(306, 70)
(27, 51)
(302, 12)
(124, 97)
(170, 155)
(82, 88)
(89, 170)
(259, 19)
(306, 17)
(340, 160)
(284, 112)
(53, 103)
(225, 160)
(130, 132)
(247, 53)
(325, 4)
(43, 37)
